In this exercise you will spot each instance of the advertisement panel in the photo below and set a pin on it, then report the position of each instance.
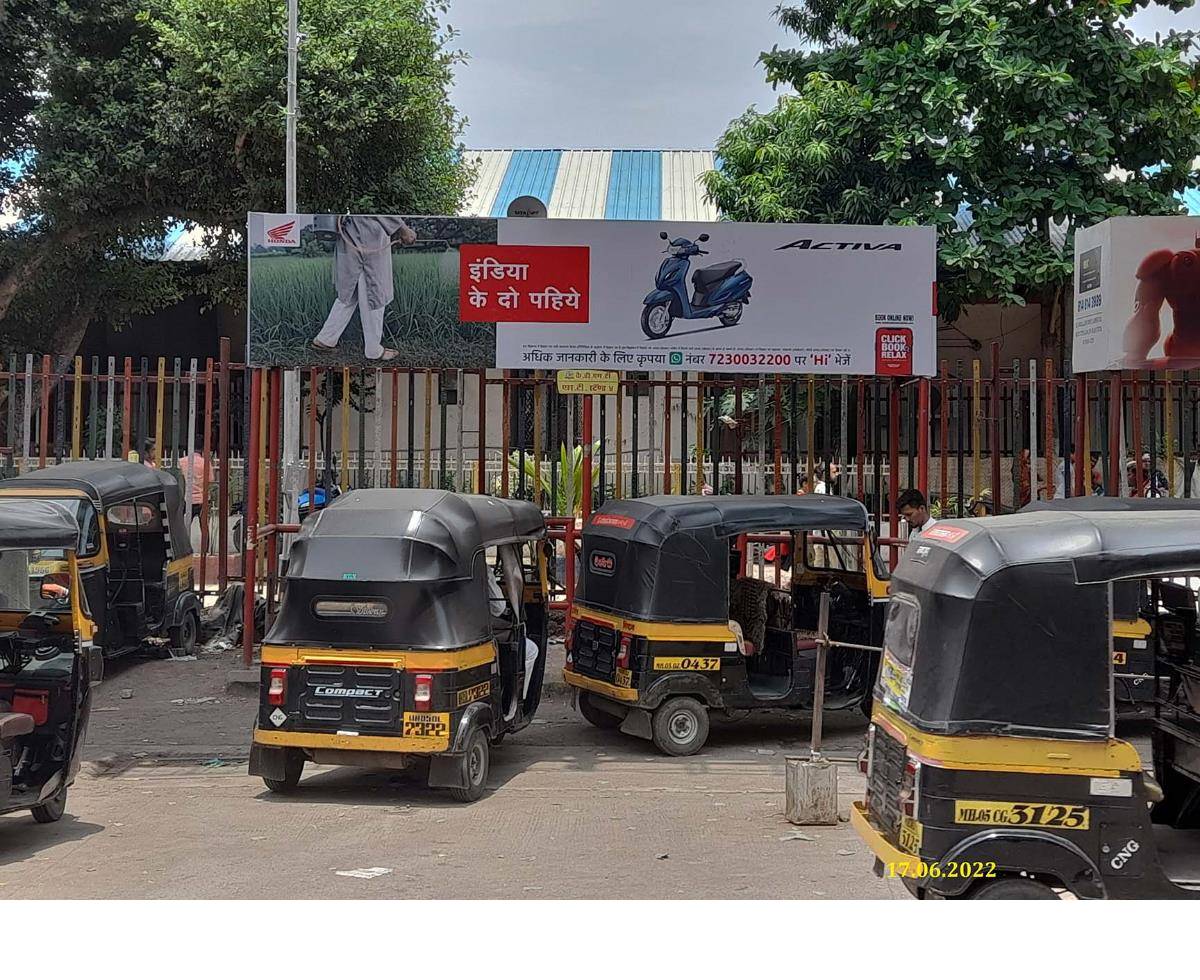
(529, 293)
(734, 297)
(380, 290)
(1137, 294)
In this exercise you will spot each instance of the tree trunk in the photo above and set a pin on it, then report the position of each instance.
(1052, 318)
(20, 274)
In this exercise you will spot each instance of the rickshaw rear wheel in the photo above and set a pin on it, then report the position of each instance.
(53, 809)
(475, 764)
(680, 726)
(1018, 889)
(596, 716)
(293, 769)
(184, 636)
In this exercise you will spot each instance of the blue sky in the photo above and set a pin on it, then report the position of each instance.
(627, 73)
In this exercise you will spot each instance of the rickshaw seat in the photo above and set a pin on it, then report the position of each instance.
(13, 724)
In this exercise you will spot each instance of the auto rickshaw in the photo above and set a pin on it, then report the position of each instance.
(135, 554)
(412, 630)
(48, 658)
(993, 768)
(1136, 683)
(670, 621)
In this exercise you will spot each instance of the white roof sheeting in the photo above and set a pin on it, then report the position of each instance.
(492, 166)
(581, 187)
(682, 193)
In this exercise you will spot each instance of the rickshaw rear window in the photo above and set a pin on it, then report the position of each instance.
(350, 609)
(900, 630)
(138, 514)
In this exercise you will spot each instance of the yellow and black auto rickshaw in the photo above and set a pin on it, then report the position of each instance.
(412, 629)
(135, 555)
(670, 621)
(1136, 684)
(48, 660)
(993, 768)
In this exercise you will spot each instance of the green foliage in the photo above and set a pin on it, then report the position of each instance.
(137, 114)
(812, 159)
(1031, 114)
(567, 497)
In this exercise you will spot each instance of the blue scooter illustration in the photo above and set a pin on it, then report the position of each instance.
(721, 290)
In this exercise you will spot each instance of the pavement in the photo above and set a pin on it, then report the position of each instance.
(164, 808)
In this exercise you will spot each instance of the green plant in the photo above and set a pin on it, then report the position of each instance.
(567, 497)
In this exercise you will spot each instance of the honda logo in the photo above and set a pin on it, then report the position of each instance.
(285, 233)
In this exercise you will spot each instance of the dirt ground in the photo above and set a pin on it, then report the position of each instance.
(165, 809)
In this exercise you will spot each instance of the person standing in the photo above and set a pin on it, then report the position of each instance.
(362, 275)
(192, 468)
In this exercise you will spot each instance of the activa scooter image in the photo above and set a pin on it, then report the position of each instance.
(721, 290)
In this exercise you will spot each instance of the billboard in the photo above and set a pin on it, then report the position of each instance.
(547, 294)
(362, 290)
(1137, 294)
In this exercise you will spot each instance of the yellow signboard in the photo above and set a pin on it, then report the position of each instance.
(583, 381)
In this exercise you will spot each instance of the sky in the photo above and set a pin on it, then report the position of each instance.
(653, 74)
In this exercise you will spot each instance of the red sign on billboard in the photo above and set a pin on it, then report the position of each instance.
(523, 283)
(894, 351)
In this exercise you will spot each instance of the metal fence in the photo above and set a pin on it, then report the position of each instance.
(1004, 432)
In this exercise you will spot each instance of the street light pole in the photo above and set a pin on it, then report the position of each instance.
(291, 378)
(293, 46)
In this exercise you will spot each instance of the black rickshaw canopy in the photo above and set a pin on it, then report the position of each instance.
(414, 558)
(1005, 621)
(666, 558)
(114, 481)
(27, 523)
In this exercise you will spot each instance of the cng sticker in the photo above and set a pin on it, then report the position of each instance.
(426, 724)
(687, 663)
(474, 693)
(1063, 815)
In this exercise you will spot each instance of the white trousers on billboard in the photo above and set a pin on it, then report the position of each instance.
(339, 317)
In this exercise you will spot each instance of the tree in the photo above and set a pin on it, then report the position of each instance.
(812, 159)
(376, 131)
(1040, 117)
(147, 113)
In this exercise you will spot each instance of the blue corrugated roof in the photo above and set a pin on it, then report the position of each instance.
(635, 186)
(531, 172)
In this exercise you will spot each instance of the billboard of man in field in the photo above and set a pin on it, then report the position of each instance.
(363, 290)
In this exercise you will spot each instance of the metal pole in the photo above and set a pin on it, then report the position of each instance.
(819, 676)
(223, 421)
(250, 516)
(587, 463)
(291, 379)
(293, 51)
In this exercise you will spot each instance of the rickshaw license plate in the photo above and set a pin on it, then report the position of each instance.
(624, 677)
(426, 724)
(1119, 658)
(910, 835)
(687, 663)
(1064, 815)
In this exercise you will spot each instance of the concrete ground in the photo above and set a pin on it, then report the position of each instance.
(164, 809)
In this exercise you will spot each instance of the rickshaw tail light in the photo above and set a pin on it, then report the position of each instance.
(277, 688)
(423, 693)
(910, 795)
(623, 651)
